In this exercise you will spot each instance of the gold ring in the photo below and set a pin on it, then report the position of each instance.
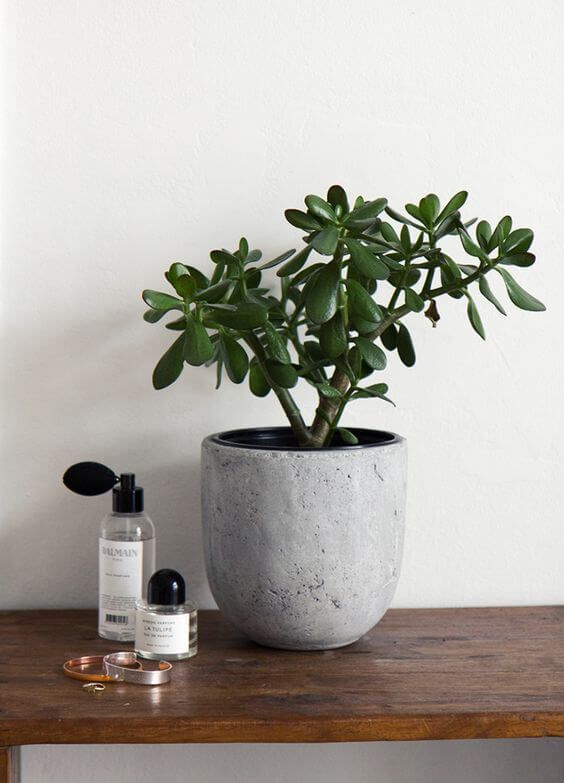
(94, 687)
(91, 668)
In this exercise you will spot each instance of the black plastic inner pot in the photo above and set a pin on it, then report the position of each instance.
(282, 438)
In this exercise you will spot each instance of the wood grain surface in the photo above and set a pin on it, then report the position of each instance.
(420, 674)
(9, 765)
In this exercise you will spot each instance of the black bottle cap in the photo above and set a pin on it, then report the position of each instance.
(126, 497)
(166, 588)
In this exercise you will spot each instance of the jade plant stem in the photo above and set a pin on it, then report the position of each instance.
(286, 400)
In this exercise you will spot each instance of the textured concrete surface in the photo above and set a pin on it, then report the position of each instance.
(303, 548)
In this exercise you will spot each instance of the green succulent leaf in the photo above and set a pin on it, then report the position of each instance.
(488, 294)
(320, 209)
(389, 337)
(378, 390)
(278, 260)
(214, 293)
(365, 213)
(254, 256)
(402, 219)
(185, 286)
(455, 203)
(224, 257)
(347, 436)
(152, 316)
(284, 375)
(337, 197)
(413, 210)
(449, 225)
(389, 233)
(372, 354)
(247, 316)
(217, 274)
(405, 279)
(235, 359)
(322, 294)
(326, 390)
(306, 273)
(518, 259)
(474, 317)
(164, 302)
(170, 365)
(198, 348)
(218, 372)
(325, 242)
(451, 266)
(406, 351)
(361, 303)
(484, 234)
(518, 241)
(413, 300)
(366, 262)
(258, 384)
(333, 337)
(243, 249)
(405, 240)
(518, 295)
(501, 231)
(296, 263)
(429, 209)
(175, 271)
(179, 325)
(302, 220)
(471, 247)
(276, 345)
(201, 280)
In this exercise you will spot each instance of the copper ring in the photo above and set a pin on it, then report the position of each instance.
(80, 668)
(118, 666)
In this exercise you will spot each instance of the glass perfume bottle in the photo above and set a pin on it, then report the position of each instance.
(126, 558)
(126, 546)
(166, 624)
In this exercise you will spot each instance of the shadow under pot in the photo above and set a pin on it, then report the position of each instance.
(303, 546)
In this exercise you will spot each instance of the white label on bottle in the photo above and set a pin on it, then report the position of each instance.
(120, 584)
(166, 634)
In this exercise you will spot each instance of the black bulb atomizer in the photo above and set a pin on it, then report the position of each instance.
(126, 546)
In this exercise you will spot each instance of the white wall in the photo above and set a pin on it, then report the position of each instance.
(138, 133)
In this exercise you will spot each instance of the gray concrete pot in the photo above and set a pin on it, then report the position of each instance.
(303, 546)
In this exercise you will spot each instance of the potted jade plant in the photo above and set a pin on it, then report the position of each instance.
(303, 524)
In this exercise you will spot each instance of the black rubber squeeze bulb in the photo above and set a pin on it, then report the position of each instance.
(126, 546)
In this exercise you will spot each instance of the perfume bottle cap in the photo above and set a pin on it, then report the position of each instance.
(166, 588)
(126, 497)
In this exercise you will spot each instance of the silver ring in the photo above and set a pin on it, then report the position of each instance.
(118, 667)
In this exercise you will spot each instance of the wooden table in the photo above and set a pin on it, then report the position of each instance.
(421, 674)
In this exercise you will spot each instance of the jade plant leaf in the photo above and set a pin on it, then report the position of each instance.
(321, 298)
(235, 359)
(198, 348)
(170, 365)
(405, 347)
(518, 295)
(326, 241)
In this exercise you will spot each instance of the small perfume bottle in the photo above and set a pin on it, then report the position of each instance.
(166, 625)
